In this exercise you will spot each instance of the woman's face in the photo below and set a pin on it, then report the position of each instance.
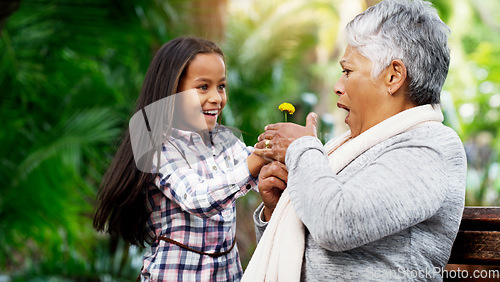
(202, 93)
(365, 99)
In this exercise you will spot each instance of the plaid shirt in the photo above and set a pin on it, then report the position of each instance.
(193, 203)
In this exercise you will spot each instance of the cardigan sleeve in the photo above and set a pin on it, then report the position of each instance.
(260, 225)
(402, 186)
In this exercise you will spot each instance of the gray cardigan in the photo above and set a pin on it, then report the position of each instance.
(391, 214)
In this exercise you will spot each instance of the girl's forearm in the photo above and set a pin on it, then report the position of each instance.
(255, 163)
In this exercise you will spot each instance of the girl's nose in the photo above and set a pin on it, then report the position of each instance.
(214, 97)
(339, 87)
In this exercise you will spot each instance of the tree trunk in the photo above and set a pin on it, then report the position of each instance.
(7, 8)
(209, 18)
(370, 3)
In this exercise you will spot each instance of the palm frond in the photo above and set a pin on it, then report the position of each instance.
(67, 140)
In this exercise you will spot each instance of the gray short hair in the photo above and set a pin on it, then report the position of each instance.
(410, 31)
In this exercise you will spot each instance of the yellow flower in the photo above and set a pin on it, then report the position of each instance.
(287, 107)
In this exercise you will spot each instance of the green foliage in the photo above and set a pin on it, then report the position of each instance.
(474, 84)
(69, 80)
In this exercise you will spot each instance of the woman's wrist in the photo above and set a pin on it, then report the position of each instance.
(266, 214)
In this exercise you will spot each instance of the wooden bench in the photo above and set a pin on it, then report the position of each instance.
(475, 255)
(478, 240)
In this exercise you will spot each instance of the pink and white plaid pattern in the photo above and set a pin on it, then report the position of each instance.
(193, 202)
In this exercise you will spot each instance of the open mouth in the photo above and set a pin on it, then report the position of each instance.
(341, 106)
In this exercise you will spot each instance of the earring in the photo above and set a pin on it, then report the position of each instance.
(389, 90)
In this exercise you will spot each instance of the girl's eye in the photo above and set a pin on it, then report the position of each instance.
(203, 87)
(222, 87)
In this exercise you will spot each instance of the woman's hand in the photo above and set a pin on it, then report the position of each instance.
(272, 181)
(274, 142)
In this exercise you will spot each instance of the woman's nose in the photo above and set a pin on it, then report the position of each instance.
(339, 87)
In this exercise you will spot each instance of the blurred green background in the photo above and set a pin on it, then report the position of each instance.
(70, 71)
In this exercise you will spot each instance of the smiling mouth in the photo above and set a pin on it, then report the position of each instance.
(211, 112)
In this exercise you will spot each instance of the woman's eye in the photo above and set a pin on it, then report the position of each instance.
(346, 72)
(222, 87)
(203, 87)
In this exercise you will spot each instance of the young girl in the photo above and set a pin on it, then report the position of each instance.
(184, 206)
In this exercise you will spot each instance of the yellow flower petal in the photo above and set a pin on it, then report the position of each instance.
(287, 107)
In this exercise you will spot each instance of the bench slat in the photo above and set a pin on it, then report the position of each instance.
(481, 218)
(478, 239)
(476, 247)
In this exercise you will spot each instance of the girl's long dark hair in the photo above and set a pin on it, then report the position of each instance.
(121, 202)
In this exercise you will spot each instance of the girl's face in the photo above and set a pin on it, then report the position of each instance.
(202, 93)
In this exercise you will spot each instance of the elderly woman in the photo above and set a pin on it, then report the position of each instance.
(384, 200)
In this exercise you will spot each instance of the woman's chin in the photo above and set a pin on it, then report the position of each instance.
(347, 121)
(355, 131)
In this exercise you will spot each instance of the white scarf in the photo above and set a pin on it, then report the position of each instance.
(279, 254)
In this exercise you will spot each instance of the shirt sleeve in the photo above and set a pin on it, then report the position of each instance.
(197, 190)
(403, 186)
(242, 152)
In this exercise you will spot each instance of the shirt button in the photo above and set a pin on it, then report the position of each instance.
(249, 186)
(185, 196)
(214, 168)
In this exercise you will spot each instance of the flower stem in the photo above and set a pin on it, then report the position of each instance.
(285, 117)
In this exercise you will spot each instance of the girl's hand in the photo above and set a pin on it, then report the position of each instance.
(274, 142)
(272, 181)
(255, 163)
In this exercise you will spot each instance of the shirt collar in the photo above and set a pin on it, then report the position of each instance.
(219, 135)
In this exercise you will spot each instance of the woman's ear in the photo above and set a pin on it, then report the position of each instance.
(395, 76)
